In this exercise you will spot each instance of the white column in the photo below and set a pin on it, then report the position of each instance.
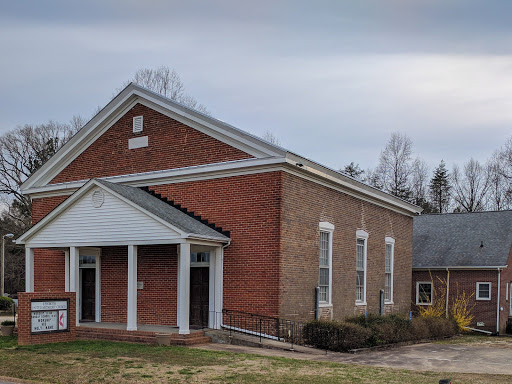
(29, 269)
(219, 278)
(184, 289)
(74, 278)
(131, 324)
(66, 271)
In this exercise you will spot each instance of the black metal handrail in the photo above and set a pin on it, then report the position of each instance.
(267, 327)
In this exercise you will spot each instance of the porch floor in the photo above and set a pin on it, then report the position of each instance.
(140, 327)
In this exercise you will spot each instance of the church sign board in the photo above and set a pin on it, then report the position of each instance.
(49, 315)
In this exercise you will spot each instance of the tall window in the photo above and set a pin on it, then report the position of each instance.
(324, 282)
(388, 271)
(361, 267)
(325, 263)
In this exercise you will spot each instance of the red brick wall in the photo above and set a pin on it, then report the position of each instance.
(171, 145)
(465, 281)
(306, 204)
(42, 206)
(156, 268)
(248, 206)
(506, 279)
(24, 319)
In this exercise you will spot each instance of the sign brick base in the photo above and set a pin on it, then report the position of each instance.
(25, 335)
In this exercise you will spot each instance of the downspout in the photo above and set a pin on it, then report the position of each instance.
(498, 306)
(447, 291)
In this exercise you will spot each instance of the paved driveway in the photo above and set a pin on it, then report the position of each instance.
(494, 357)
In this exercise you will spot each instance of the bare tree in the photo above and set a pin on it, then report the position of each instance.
(500, 189)
(168, 83)
(373, 178)
(395, 166)
(470, 186)
(506, 159)
(419, 184)
(271, 138)
(23, 151)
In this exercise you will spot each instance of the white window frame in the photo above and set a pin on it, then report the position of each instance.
(478, 291)
(418, 292)
(391, 242)
(362, 235)
(328, 228)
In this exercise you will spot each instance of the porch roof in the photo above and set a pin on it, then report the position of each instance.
(122, 215)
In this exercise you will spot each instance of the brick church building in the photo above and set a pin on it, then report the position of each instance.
(155, 214)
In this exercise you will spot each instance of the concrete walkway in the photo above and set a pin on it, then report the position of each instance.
(492, 358)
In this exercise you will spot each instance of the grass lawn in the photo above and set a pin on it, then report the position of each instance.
(108, 362)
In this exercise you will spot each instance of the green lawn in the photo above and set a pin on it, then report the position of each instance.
(108, 362)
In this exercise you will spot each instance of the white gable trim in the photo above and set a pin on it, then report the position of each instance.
(122, 103)
(77, 196)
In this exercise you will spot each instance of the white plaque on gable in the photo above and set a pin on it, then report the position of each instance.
(138, 142)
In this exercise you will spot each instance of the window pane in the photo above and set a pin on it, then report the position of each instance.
(323, 294)
(389, 247)
(360, 254)
(484, 291)
(387, 288)
(425, 293)
(87, 260)
(324, 276)
(324, 249)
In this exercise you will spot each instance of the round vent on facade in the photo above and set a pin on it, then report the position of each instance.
(98, 197)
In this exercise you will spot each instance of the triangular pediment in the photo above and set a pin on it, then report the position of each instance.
(242, 144)
(97, 215)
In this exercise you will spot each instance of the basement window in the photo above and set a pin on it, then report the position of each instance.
(483, 291)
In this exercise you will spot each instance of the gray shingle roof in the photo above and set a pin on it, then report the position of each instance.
(454, 239)
(165, 211)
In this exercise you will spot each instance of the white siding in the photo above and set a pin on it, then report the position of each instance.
(114, 222)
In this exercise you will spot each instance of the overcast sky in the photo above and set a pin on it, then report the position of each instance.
(331, 79)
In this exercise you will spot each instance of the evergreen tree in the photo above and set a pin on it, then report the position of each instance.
(440, 189)
(353, 170)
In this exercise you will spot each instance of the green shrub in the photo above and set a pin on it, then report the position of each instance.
(336, 336)
(7, 322)
(360, 331)
(5, 303)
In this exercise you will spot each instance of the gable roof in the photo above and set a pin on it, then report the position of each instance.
(177, 221)
(265, 154)
(455, 239)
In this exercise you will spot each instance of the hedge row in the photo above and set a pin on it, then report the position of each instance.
(372, 330)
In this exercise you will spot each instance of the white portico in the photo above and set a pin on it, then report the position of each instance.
(103, 214)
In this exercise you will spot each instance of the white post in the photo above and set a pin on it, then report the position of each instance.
(29, 269)
(131, 324)
(184, 289)
(74, 279)
(66, 271)
(219, 277)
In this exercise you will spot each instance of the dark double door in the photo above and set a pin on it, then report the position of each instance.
(88, 294)
(199, 296)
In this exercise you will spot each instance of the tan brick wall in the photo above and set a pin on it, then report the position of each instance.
(171, 145)
(25, 337)
(306, 204)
